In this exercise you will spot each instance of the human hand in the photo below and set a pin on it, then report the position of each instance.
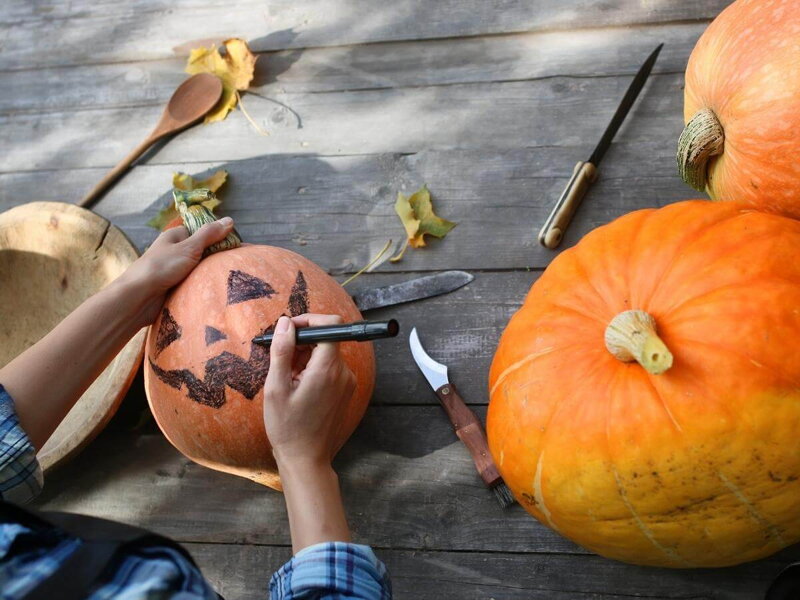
(166, 263)
(305, 395)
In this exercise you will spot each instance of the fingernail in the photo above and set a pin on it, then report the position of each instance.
(282, 325)
(226, 221)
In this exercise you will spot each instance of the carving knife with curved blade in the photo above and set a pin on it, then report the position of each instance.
(465, 422)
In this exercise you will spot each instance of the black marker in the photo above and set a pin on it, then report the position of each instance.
(362, 331)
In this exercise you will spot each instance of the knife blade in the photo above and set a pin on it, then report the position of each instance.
(584, 173)
(465, 422)
(413, 289)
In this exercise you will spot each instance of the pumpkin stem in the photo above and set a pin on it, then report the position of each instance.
(702, 138)
(631, 336)
(195, 214)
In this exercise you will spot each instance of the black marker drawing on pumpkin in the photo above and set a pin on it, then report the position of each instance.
(243, 287)
(214, 335)
(168, 331)
(298, 299)
(226, 369)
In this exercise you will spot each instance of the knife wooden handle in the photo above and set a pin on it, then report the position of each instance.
(552, 233)
(469, 430)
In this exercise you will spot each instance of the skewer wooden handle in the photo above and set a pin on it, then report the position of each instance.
(469, 430)
(553, 231)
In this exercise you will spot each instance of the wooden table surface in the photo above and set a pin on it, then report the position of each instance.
(489, 102)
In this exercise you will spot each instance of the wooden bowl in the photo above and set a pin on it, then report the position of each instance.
(53, 256)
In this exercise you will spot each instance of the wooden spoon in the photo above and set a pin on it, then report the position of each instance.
(190, 103)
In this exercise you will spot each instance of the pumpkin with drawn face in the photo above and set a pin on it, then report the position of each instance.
(204, 377)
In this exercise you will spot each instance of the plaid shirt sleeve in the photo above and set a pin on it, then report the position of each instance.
(20, 473)
(148, 572)
(333, 570)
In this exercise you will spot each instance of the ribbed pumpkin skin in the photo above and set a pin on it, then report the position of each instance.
(698, 466)
(232, 438)
(746, 68)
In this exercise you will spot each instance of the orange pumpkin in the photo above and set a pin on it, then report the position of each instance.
(203, 376)
(645, 399)
(176, 222)
(742, 107)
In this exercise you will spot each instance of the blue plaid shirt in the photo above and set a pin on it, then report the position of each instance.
(324, 571)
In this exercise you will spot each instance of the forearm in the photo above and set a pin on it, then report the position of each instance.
(46, 380)
(314, 504)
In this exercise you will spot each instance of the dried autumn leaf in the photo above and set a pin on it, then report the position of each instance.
(405, 211)
(416, 214)
(186, 182)
(182, 181)
(235, 68)
(429, 222)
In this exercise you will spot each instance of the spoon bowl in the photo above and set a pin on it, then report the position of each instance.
(193, 99)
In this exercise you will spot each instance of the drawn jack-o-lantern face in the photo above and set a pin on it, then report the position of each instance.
(203, 375)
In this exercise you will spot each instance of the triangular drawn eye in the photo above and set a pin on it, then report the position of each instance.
(214, 335)
(243, 286)
(168, 331)
(298, 297)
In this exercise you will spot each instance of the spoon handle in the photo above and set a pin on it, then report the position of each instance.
(117, 171)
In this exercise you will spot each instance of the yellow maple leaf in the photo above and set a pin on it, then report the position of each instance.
(235, 68)
(187, 183)
(416, 214)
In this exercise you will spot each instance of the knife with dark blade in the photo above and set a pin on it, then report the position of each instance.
(414, 289)
(584, 173)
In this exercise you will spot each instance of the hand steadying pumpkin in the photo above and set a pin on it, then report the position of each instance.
(305, 395)
(81, 346)
(168, 261)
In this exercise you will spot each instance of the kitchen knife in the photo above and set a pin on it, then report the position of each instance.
(465, 422)
(585, 173)
(413, 289)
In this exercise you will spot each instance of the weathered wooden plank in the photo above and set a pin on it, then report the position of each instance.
(592, 53)
(338, 211)
(83, 32)
(557, 111)
(242, 572)
(407, 483)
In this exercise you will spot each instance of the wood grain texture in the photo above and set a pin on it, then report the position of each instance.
(490, 103)
(242, 572)
(407, 482)
(559, 111)
(406, 479)
(41, 33)
(514, 57)
(338, 211)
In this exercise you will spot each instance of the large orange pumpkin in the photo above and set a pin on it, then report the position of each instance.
(742, 107)
(682, 448)
(204, 377)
